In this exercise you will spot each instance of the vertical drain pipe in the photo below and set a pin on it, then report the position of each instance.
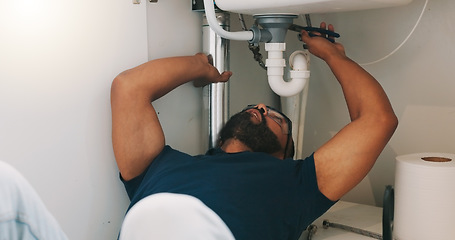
(216, 95)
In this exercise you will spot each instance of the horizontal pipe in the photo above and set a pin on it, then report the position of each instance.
(213, 23)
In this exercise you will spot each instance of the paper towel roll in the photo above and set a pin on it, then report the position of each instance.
(425, 197)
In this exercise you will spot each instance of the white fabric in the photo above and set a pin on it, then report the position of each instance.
(167, 216)
(22, 213)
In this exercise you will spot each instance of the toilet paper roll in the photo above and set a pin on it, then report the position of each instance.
(425, 197)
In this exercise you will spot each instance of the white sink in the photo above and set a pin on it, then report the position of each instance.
(254, 7)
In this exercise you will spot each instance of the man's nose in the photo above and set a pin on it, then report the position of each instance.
(262, 107)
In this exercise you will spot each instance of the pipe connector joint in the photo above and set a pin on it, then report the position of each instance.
(260, 35)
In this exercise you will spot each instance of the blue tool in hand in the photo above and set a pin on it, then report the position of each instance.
(329, 35)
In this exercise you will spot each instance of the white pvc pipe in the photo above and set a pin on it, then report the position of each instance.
(275, 70)
(301, 124)
(211, 19)
(295, 106)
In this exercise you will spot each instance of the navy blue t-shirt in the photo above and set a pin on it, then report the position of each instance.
(257, 195)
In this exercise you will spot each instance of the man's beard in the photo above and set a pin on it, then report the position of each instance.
(257, 137)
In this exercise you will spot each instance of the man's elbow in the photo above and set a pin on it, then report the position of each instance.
(390, 122)
(395, 122)
(121, 85)
(119, 81)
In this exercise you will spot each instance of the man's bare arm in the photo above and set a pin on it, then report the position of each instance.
(137, 135)
(345, 160)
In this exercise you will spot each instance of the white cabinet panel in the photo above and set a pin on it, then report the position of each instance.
(57, 61)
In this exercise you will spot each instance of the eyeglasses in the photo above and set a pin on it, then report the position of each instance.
(277, 116)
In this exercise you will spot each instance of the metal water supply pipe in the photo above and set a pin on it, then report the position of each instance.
(216, 95)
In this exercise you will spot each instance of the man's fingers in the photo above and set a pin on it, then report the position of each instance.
(224, 77)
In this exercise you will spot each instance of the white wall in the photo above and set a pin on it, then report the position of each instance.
(57, 61)
(175, 30)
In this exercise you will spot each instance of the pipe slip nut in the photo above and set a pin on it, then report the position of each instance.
(275, 47)
(299, 74)
(275, 62)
